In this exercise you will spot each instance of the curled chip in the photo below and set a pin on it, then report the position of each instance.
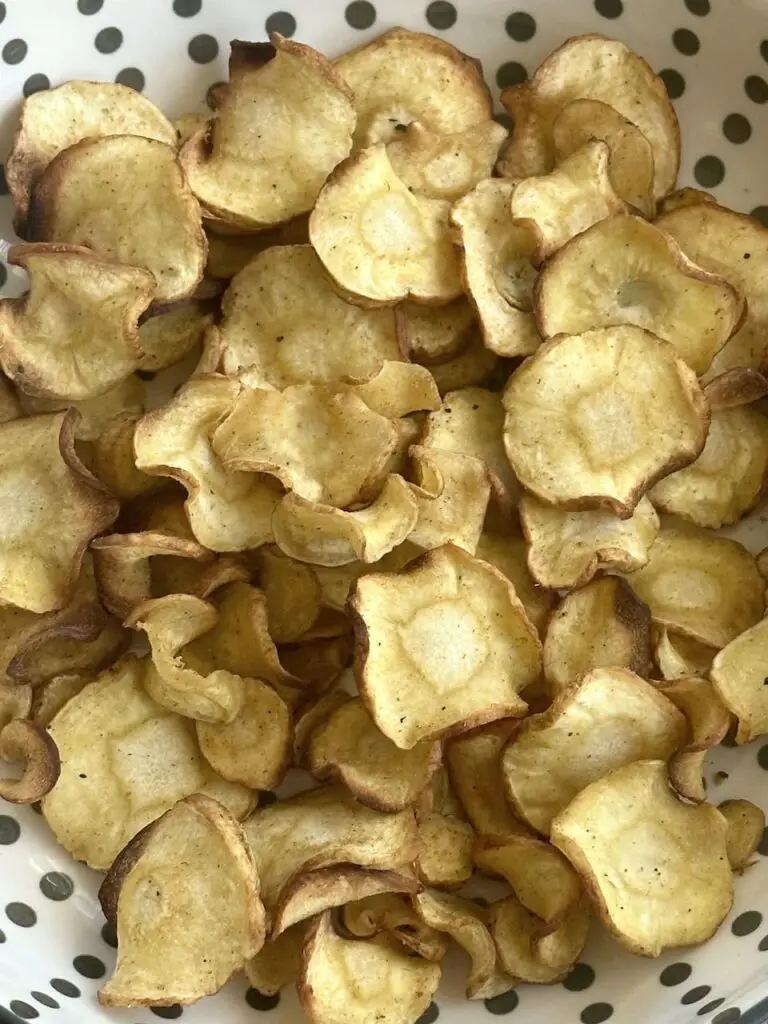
(277, 962)
(28, 744)
(55, 119)
(445, 846)
(443, 646)
(746, 824)
(325, 446)
(524, 943)
(734, 246)
(656, 868)
(678, 656)
(452, 494)
(708, 723)
(321, 828)
(10, 408)
(741, 385)
(113, 460)
(433, 335)
(498, 272)
(445, 166)
(314, 667)
(51, 697)
(228, 511)
(292, 592)
(608, 718)
(186, 125)
(575, 195)
(253, 749)
(284, 324)
(142, 212)
(125, 760)
(738, 674)
(93, 413)
(393, 915)
(166, 337)
(630, 163)
(705, 587)
(53, 508)
(380, 242)
(312, 716)
(681, 198)
(579, 431)
(286, 117)
(566, 549)
(15, 702)
(600, 625)
(348, 746)
(397, 389)
(89, 306)
(474, 365)
(539, 875)
(507, 552)
(591, 67)
(360, 981)
(729, 476)
(624, 270)
(405, 76)
(182, 934)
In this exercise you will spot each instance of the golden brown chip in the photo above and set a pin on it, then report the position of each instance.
(311, 717)
(741, 385)
(435, 334)
(94, 414)
(746, 824)
(452, 492)
(393, 915)
(277, 962)
(516, 933)
(507, 552)
(678, 656)
(27, 744)
(540, 877)
(166, 337)
(293, 594)
(445, 850)
(738, 674)
(113, 460)
(681, 198)
(397, 390)
(15, 702)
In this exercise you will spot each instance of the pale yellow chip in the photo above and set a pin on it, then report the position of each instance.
(445, 850)
(738, 674)
(452, 493)
(746, 825)
(285, 121)
(186, 125)
(579, 430)
(508, 553)
(51, 697)
(434, 335)
(167, 337)
(393, 915)
(704, 587)
(517, 933)
(678, 656)
(292, 592)
(444, 646)
(397, 390)
(114, 462)
(566, 549)
(474, 365)
(182, 934)
(656, 868)
(681, 198)
(277, 962)
(94, 414)
(741, 385)
(15, 702)
(608, 718)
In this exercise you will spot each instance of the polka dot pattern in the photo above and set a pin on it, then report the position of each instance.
(580, 978)
(89, 6)
(14, 51)
(699, 7)
(21, 915)
(520, 26)
(89, 966)
(675, 974)
(747, 923)
(673, 82)
(430, 1015)
(756, 88)
(737, 129)
(109, 934)
(695, 995)
(10, 830)
(132, 77)
(727, 1016)
(360, 14)
(596, 1013)
(203, 49)
(258, 1001)
(36, 83)
(709, 1007)
(511, 73)
(282, 22)
(2, 13)
(65, 988)
(167, 1012)
(609, 8)
(501, 1005)
(709, 171)
(686, 42)
(108, 40)
(23, 1010)
(56, 886)
(45, 1000)
(441, 14)
(187, 8)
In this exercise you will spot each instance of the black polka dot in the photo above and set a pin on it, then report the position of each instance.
(520, 26)
(510, 73)
(609, 8)
(65, 988)
(36, 83)
(14, 51)
(499, 1006)
(762, 756)
(109, 934)
(3, 275)
(89, 6)
(360, 14)
(675, 974)
(505, 120)
(709, 172)
(282, 22)
(580, 978)
(763, 844)
(737, 128)
(57, 886)
(673, 82)
(686, 42)
(89, 966)
(761, 213)
(747, 922)
(23, 1010)
(10, 830)
(21, 915)
(109, 40)
(727, 1016)
(203, 49)
(167, 1012)
(763, 944)
(441, 14)
(709, 1007)
(430, 1015)
(187, 8)
(45, 1000)
(596, 1013)
(2, 936)
(694, 995)
(698, 7)
(258, 1001)
(2, 13)
(132, 77)
(756, 88)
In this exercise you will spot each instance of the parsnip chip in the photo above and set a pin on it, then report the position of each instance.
(436, 334)
(678, 656)
(166, 337)
(738, 386)
(88, 307)
(329, 536)
(575, 195)
(52, 696)
(566, 549)
(186, 125)
(93, 413)
(403, 76)
(284, 324)
(286, 116)
(579, 430)
(27, 744)
(746, 824)
(182, 934)
(142, 213)
(515, 932)
(498, 272)
(15, 702)
(445, 850)
(311, 718)
(53, 508)
(736, 247)
(539, 875)
(345, 981)
(597, 626)
(729, 476)
(630, 163)
(452, 494)
(113, 460)
(473, 366)
(323, 827)
(125, 761)
(380, 242)
(738, 674)
(608, 718)
(396, 390)
(228, 511)
(325, 446)
(9, 403)
(292, 592)
(445, 166)
(704, 587)
(277, 962)
(315, 668)
(393, 915)
(591, 67)
(54, 119)
(507, 552)
(656, 868)
(448, 628)
(336, 581)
